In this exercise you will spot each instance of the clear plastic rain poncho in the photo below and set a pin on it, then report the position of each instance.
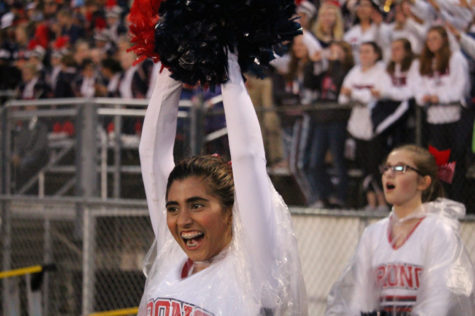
(259, 272)
(429, 273)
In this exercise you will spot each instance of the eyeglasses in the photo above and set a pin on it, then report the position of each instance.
(398, 169)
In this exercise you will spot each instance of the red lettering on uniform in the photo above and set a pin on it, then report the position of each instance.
(150, 309)
(391, 274)
(417, 272)
(187, 309)
(380, 271)
(172, 307)
(164, 306)
(176, 309)
(396, 275)
(406, 276)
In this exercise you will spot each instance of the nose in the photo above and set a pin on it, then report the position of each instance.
(184, 219)
(388, 173)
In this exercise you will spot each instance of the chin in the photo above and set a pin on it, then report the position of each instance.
(390, 200)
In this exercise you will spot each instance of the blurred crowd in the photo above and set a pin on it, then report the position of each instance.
(348, 87)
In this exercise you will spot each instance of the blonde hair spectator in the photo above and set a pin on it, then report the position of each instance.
(329, 24)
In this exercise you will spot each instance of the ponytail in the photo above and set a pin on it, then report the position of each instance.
(434, 191)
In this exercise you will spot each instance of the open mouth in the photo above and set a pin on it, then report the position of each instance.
(192, 239)
(390, 186)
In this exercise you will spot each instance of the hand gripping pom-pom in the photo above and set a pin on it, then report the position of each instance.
(192, 37)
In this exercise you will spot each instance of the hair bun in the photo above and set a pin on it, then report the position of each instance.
(192, 37)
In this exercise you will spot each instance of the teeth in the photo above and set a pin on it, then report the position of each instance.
(190, 235)
(191, 243)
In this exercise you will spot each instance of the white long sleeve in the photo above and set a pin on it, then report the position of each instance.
(265, 235)
(458, 79)
(458, 16)
(260, 270)
(468, 44)
(406, 91)
(249, 164)
(451, 87)
(156, 145)
(423, 10)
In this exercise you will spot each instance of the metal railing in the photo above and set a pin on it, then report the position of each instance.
(99, 259)
(97, 239)
(91, 145)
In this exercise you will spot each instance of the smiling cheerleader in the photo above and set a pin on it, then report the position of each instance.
(224, 243)
(413, 262)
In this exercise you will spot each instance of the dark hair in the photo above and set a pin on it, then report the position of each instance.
(348, 62)
(376, 49)
(68, 60)
(408, 57)
(111, 64)
(87, 62)
(441, 59)
(294, 62)
(424, 161)
(214, 169)
(373, 6)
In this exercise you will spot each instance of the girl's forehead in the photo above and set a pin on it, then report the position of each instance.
(400, 156)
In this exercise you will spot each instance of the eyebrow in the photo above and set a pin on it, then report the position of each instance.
(189, 200)
(397, 163)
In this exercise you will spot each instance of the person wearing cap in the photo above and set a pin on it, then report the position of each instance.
(36, 57)
(33, 13)
(307, 13)
(52, 74)
(115, 25)
(59, 49)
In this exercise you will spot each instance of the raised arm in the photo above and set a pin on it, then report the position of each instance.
(156, 145)
(253, 194)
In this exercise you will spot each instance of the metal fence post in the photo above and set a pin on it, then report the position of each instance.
(6, 141)
(88, 267)
(117, 152)
(6, 216)
(47, 257)
(87, 150)
(87, 186)
(3, 123)
(6, 260)
(86, 157)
